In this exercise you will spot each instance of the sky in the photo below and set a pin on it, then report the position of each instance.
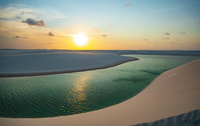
(108, 24)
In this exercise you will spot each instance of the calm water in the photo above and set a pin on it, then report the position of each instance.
(72, 93)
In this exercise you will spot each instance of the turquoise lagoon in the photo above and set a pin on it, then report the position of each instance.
(80, 92)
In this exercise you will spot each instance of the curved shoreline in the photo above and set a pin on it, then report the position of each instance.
(67, 71)
(172, 98)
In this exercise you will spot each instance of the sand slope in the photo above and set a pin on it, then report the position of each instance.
(174, 92)
(191, 118)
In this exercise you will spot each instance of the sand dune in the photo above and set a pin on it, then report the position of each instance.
(191, 118)
(174, 92)
(32, 62)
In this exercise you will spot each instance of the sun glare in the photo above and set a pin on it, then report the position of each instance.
(80, 39)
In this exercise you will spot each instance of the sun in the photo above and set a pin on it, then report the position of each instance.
(80, 39)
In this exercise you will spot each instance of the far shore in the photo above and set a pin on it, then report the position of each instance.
(67, 71)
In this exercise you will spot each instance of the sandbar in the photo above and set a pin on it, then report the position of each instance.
(32, 63)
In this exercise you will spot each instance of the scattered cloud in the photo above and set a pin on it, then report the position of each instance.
(177, 39)
(49, 43)
(104, 35)
(166, 33)
(128, 4)
(15, 28)
(172, 43)
(96, 29)
(182, 32)
(33, 22)
(146, 39)
(24, 12)
(19, 37)
(50, 34)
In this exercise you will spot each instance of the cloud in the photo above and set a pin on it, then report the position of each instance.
(177, 39)
(146, 39)
(18, 17)
(172, 43)
(50, 34)
(96, 29)
(182, 32)
(166, 33)
(19, 37)
(33, 22)
(165, 38)
(31, 36)
(27, 12)
(104, 35)
(128, 4)
(24, 11)
(111, 26)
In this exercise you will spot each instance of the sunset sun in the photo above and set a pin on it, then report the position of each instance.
(80, 39)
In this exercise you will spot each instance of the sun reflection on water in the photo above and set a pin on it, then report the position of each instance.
(76, 94)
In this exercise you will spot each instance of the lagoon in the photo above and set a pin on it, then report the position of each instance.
(73, 93)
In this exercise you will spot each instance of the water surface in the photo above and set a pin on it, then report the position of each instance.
(73, 93)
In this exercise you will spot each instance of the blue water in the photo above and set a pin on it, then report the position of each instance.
(73, 93)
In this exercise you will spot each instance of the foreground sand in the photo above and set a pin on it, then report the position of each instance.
(174, 92)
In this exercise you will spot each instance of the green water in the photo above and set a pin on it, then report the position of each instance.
(73, 93)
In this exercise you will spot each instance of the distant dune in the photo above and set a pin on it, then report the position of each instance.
(16, 63)
(173, 93)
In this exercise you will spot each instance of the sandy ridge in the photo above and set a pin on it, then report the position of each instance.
(191, 118)
(67, 71)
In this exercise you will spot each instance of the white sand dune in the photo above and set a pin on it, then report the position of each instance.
(174, 92)
(31, 63)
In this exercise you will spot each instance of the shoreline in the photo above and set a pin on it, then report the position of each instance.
(170, 98)
(67, 71)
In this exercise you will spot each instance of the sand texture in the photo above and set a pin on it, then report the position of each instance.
(173, 93)
(191, 118)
